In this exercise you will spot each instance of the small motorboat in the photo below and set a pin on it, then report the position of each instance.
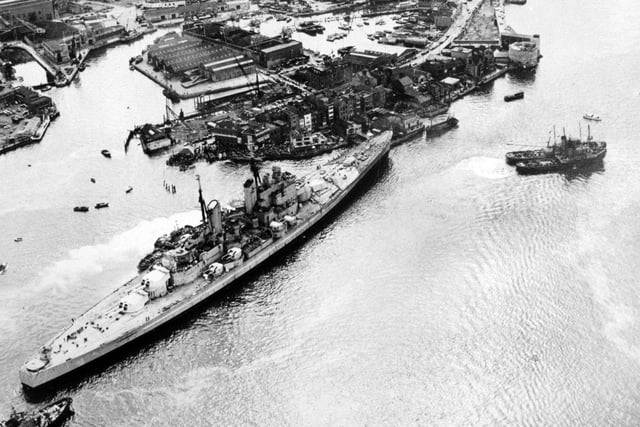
(102, 205)
(3, 268)
(93, 180)
(106, 153)
(18, 239)
(593, 117)
(517, 95)
(129, 190)
(49, 416)
(45, 88)
(81, 209)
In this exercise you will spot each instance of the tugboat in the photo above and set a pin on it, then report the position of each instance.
(310, 27)
(49, 416)
(517, 95)
(438, 128)
(81, 209)
(572, 154)
(106, 153)
(171, 94)
(102, 205)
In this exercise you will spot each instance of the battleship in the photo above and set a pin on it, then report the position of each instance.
(194, 262)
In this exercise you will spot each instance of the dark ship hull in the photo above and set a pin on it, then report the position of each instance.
(50, 416)
(560, 163)
(515, 96)
(514, 157)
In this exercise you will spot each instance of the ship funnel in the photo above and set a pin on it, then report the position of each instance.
(250, 195)
(214, 215)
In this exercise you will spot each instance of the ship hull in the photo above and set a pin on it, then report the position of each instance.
(34, 380)
(514, 157)
(440, 128)
(555, 165)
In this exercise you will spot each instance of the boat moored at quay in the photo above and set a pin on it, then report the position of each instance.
(194, 262)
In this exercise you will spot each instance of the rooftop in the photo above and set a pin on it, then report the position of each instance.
(280, 46)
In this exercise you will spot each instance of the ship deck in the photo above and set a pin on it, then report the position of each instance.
(106, 322)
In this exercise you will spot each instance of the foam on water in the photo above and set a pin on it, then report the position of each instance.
(485, 167)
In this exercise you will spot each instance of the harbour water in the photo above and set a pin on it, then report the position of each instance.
(452, 292)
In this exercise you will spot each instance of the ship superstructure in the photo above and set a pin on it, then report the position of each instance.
(194, 262)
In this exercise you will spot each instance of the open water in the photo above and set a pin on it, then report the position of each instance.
(452, 292)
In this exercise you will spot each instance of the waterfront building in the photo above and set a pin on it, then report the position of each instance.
(161, 4)
(524, 54)
(179, 11)
(279, 51)
(29, 10)
(459, 52)
(35, 102)
(177, 55)
(56, 50)
(225, 131)
(509, 36)
(103, 32)
(306, 140)
(442, 67)
(229, 67)
(255, 135)
(327, 75)
(154, 139)
(234, 5)
(75, 7)
(369, 59)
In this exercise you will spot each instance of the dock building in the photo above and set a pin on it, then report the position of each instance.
(179, 54)
(29, 10)
(524, 54)
(273, 51)
(369, 59)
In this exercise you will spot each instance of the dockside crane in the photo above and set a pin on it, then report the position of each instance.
(244, 73)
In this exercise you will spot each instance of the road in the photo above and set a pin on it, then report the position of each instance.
(465, 12)
(288, 81)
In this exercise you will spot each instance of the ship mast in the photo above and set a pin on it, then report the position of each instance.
(201, 201)
(580, 130)
(255, 170)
